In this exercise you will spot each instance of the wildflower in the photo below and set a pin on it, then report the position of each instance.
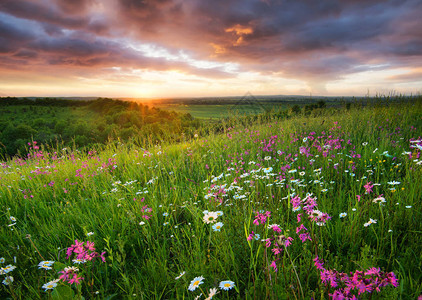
(46, 265)
(2, 260)
(261, 217)
(195, 283)
(141, 223)
(371, 221)
(302, 173)
(210, 217)
(13, 219)
(393, 182)
(408, 206)
(379, 200)
(165, 214)
(267, 242)
(89, 233)
(180, 275)
(275, 227)
(217, 226)
(268, 170)
(8, 280)
(219, 213)
(226, 285)
(79, 261)
(319, 217)
(318, 263)
(267, 158)
(368, 187)
(7, 269)
(165, 223)
(212, 293)
(75, 279)
(274, 266)
(50, 285)
(305, 236)
(67, 272)
(283, 240)
(343, 215)
(300, 228)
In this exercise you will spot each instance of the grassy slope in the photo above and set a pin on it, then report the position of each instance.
(106, 193)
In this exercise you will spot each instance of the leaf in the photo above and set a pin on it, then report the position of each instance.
(62, 292)
(58, 266)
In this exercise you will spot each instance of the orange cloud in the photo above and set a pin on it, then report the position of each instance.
(218, 49)
(240, 31)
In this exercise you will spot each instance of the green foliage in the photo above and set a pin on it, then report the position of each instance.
(85, 123)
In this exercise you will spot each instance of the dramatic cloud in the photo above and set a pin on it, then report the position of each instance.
(222, 45)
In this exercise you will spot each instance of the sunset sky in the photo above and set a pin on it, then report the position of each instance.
(187, 48)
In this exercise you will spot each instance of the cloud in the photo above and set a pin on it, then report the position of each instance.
(315, 41)
(274, 34)
(11, 38)
(414, 75)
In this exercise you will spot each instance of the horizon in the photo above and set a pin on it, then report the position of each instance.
(246, 95)
(193, 49)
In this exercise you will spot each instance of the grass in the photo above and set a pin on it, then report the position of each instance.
(145, 208)
(219, 111)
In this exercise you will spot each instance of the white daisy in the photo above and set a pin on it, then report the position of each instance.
(195, 283)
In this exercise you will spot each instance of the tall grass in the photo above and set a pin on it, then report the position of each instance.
(145, 208)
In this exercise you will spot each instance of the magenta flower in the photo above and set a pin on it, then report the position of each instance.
(274, 266)
(75, 279)
(305, 236)
(368, 187)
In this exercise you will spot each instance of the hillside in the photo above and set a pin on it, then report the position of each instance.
(322, 205)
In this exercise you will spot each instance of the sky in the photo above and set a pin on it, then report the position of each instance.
(199, 48)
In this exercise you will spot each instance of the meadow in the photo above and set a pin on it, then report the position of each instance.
(325, 205)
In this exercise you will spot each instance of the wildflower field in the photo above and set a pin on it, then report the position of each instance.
(309, 207)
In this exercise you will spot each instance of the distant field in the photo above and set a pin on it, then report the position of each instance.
(216, 108)
(217, 111)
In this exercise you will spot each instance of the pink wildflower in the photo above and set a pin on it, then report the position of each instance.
(274, 266)
(75, 279)
(368, 187)
(305, 236)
